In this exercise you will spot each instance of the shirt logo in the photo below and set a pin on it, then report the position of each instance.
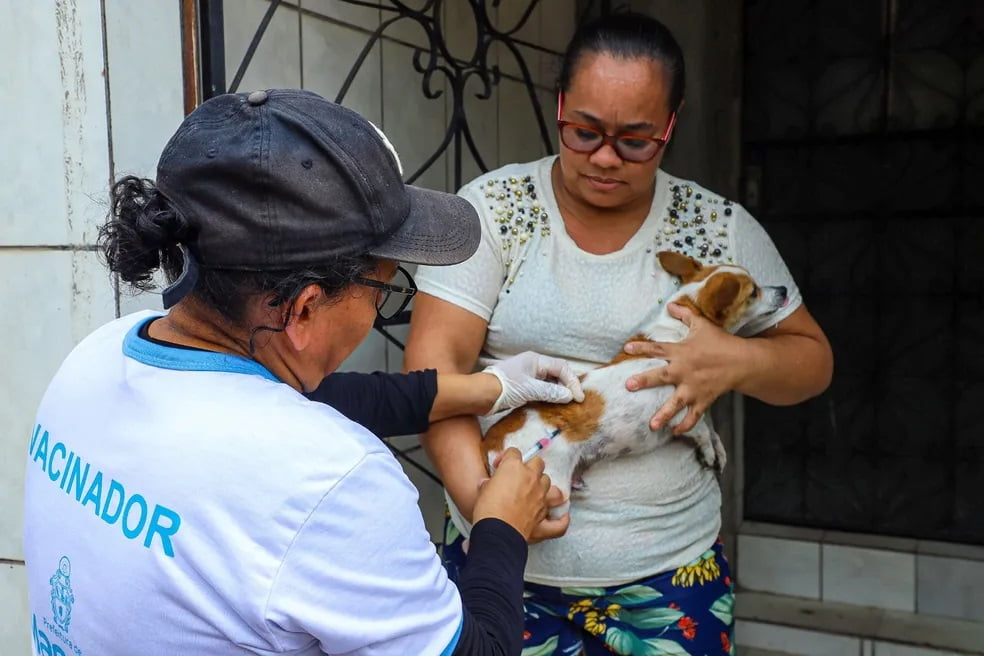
(62, 596)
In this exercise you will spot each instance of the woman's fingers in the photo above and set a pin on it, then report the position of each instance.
(648, 349)
(693, 416)
(678, 403)
(548, 528)
(681, 313)
(555, 496)
(668, 411)
(650, 378)
(517, 494)
(560, 370)
(535, 463)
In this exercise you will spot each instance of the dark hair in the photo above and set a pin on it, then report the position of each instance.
(627, 35)
(142, 234)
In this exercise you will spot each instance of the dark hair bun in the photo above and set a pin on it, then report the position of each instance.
(142, 233)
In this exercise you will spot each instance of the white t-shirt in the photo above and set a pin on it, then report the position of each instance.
(643, 514)
(187, 502)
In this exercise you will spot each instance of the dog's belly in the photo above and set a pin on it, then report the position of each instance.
(624, 427)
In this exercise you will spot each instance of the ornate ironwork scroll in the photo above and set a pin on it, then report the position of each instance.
(437, 67)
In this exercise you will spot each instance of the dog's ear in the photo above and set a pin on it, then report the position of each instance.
(678, 264)
(718, 297)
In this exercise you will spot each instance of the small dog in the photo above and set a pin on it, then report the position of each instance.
(612, 421)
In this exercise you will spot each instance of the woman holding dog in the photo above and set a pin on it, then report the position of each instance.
(567, 266)
(183, 496)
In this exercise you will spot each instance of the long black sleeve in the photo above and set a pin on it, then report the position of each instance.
(491, 584)
(386, 403)
(491, 590)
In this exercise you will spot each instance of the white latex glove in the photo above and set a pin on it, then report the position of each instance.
(522, 377)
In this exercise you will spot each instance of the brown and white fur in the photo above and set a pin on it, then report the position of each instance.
(612, 421)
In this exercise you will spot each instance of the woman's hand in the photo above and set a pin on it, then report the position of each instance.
(516, 494)
(549, 528)
(705, 365)
(786, 364)
(529, 377)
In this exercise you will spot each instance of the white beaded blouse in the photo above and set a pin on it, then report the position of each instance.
(643, 514)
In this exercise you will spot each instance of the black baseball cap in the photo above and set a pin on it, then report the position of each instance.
(280, 179)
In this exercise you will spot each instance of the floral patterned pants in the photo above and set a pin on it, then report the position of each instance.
(685, 612)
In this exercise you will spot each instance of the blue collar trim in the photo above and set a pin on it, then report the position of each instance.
(166, 357)
(454, 641)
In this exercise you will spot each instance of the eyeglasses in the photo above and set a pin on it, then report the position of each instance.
(392, 298)
(586, 139)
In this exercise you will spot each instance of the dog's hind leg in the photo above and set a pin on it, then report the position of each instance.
(722, 455)
(710, 449)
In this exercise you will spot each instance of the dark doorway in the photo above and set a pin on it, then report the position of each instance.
(863, 155)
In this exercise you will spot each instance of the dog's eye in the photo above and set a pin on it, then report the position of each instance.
(755, 292)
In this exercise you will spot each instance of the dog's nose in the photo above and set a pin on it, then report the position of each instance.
(782, 291)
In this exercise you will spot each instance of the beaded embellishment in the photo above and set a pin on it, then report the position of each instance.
(518, 215)
(696, 226)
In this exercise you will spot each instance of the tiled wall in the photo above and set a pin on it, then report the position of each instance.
(80, 118)
(896, 577)
(925, 579)
(762, 639)
(756, 638)
(784, 639)
(55, 143)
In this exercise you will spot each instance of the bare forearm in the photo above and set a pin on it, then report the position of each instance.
(453, 447)
(464, 394)
(448, 338)
(785, 369)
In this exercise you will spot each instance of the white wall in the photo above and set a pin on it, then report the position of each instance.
(56, 160)
(98, 91)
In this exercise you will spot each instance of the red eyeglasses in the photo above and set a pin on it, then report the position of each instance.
(586, 139)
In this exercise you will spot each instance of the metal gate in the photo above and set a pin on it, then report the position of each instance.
(863, 155)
